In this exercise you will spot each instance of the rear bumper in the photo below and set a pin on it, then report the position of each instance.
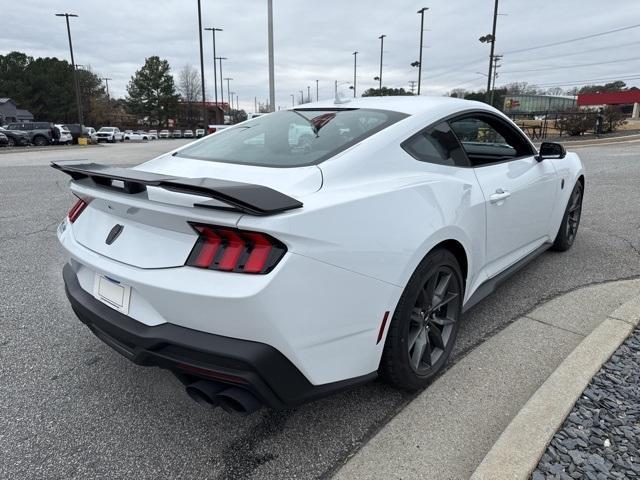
(255, 366)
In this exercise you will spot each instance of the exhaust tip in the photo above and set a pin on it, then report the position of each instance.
(204, 392)
(238, 400)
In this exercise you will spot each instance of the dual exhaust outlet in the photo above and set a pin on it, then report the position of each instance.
(231, 399)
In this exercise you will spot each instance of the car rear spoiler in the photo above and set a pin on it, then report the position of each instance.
(245, 197)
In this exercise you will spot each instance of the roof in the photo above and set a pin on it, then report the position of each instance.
(609, 98)
(409, 104)
(5, 100)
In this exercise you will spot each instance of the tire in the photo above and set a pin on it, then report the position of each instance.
(421, 338)
(39, 141)
(570, 220)
(12, 142)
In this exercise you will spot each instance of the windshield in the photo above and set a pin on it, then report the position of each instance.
(292, 138)
(106, 129)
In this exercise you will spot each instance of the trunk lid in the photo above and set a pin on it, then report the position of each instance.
(155, 229)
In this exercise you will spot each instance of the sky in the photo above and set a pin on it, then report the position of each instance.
(316, 40)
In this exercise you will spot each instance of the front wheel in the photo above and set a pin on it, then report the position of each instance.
(40, 141)
(570, 220)
(424, 327)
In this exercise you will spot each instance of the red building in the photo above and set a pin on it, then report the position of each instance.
(627, 98)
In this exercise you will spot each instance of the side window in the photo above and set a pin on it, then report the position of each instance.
(487, 139)
(436, 145)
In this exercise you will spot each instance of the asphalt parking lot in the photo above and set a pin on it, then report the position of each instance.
(73, 408)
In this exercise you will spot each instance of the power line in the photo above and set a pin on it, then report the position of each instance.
(556, 67)
(585, 81)
(591, 50)
(563, 42)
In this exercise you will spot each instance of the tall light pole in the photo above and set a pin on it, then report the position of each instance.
(73, 65)
(228, 79)
(355, 62)
(213, 31)
(272, 87)
(301, 97)
(381, 37)
(421, 12)
(293, 100)
(491, 38)
(317, 90)
(308, 94)
(106, 81)
(204, 105)
(221, 82)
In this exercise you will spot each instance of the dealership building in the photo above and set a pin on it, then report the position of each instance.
(628, 100)
(537, 104)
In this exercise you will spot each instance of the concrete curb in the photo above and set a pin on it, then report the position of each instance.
(520, 446)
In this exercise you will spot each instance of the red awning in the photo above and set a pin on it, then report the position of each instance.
(609, 98)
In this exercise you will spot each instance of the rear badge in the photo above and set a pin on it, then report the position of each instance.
(114, 233)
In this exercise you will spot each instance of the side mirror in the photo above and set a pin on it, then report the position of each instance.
(550, 150)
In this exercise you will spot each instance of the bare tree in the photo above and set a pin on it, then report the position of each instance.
(190, 90)
(555, 91)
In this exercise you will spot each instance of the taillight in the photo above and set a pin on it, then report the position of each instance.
(77, 209)
(231, 250)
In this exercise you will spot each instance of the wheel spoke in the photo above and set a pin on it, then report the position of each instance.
(450, 296)
(441, 289)
(416, 316)
(418, 349)
(414, 332)
(435, 336)
(429, 289)
(426, 355)
(443, 321)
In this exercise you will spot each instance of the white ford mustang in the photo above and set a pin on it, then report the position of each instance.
(308, 250)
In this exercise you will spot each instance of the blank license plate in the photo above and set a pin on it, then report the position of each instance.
(112, 293)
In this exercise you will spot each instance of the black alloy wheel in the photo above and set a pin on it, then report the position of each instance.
(570, 221)
(425, 324)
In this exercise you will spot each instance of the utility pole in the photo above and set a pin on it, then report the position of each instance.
(421, 12)
(228, 79)
(355, 63)
(491, 39)
(106, 81)
(73, 65)
(221, 82)
(204, 104)
(308, 94)
(412, 85)
(272, 87)
(213, 31)
(381, 37)
(496, 59)
(317, 96)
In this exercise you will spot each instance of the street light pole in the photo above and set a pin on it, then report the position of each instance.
(421, 12)
(221, 81)
(308, 94)
(293, 100)
(301, 97)
(106, 81)
(317, 96)
(228, 79)
(272, 88)
(381, 37)
(493, 44)
(73, 65)
(355, 63)
(204, 105)
(213, 31)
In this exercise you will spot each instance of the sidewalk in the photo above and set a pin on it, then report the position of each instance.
(447, 430)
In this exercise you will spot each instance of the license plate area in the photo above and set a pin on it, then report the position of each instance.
(112, 293)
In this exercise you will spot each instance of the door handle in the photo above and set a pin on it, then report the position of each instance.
(499, 196)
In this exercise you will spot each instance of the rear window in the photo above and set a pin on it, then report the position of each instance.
(292, 138)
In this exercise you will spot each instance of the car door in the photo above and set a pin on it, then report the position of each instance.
(519, 191)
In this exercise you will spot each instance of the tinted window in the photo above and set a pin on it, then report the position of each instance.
(487, 139)
(291, 138)
(436, 145)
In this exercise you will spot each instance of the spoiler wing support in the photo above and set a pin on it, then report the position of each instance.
(245, 197)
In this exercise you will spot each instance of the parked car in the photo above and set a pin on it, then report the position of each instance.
(4, 141)
(64, 136)
(187, 134)
(164, 134)
(110, 134)
(216, 128)
(176, 134)
(16, 138)
(91, 134)
(153, 134)
(40, 133)
(136, 136)
(394, 240)
(199, 132)
(76, 130)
